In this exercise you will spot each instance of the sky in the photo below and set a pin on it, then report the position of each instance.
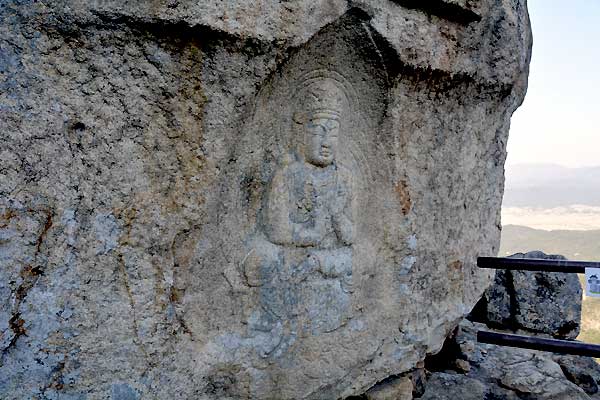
(559, 121)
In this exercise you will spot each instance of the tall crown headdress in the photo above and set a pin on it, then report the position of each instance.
(323, 95)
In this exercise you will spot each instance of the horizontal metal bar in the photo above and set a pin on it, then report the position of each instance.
(536, 264)
(536, 343)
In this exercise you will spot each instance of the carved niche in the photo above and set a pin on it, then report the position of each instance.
(310, 143)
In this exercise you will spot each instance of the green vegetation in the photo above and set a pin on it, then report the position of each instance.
(590, 320)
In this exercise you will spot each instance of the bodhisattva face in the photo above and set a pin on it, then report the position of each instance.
(321, 140)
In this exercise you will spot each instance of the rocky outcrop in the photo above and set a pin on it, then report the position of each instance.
(466, 369)
(246, 199)
(479, 371)
(582, 371)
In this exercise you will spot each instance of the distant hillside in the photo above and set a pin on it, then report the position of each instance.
(575, 245)
(547, 185)
(575, 217)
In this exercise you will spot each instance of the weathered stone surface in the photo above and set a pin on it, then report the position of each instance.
(582, 371)
(245, 200)
(443, 386)
(536, 301)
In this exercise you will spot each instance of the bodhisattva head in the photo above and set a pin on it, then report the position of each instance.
(321, 138)
(321, 117)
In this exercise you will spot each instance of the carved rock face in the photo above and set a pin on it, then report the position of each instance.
(253, 200)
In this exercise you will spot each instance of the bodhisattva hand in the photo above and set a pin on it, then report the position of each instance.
(305, 268)
(339, 201)
(307, 198)
(342, 224)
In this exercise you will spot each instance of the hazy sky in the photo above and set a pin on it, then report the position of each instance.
(559, 122)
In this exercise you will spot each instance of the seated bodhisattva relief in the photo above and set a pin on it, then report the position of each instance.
(303, 262)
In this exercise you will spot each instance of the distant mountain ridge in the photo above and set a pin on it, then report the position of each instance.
(549, 185)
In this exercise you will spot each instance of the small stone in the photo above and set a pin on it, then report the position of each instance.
(463, 365)
(395, 389)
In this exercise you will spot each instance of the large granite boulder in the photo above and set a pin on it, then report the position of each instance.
(261, 199)
(539, 302)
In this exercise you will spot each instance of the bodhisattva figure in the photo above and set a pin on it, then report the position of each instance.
(303, 261)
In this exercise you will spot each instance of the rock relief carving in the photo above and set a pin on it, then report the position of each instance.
(301, 258)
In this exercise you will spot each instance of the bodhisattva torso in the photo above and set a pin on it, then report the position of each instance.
(309, 206)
